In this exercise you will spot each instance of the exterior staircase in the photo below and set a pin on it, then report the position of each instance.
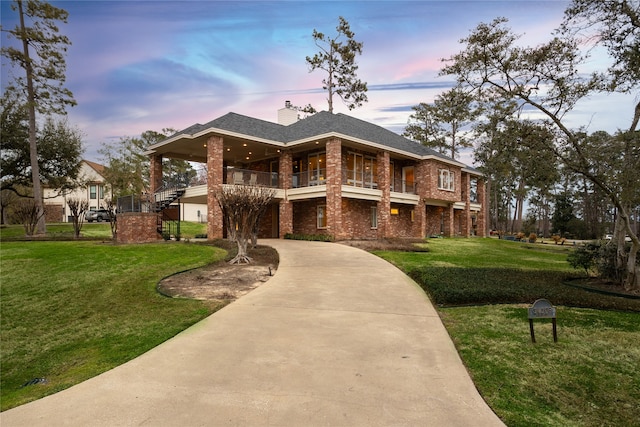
(169, 217)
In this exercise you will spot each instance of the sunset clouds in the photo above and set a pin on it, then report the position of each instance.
(147, 65)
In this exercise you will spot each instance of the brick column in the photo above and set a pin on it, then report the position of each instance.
(384, 184)
(334, 188)
(483, 214)
(420, 219)
(155, 172)
(215, 173)
(285, 170)
(465, 181)
(422, 171)
(449, 226)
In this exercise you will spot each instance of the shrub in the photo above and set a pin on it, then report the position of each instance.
(520, 236)
(584, 257)
(310, 237)
(533, 237)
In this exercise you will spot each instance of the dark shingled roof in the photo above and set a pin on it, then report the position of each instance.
(315, 125)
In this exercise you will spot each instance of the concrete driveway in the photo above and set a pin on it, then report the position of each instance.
(338, 337)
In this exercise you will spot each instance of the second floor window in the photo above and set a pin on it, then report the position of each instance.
(362, 171)
(446, 180)
(93, 192)
(317, 168)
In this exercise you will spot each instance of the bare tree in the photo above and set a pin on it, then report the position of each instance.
(28, 213)
(77, 207)
(242, 206)
(110, 205)
(7, 199)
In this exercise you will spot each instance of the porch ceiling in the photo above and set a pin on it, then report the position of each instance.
(237, 151)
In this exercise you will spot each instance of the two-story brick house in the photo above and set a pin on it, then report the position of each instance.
(333, 174)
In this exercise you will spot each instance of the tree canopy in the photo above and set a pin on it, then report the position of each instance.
(60, 149)
(41, 56)
(127, 167)
(548, 79)
(337, 57)
(444, 124)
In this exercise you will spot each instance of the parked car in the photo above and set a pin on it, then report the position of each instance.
(610, 236)
(98, 215)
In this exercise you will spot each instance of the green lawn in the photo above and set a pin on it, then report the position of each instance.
(91, 231)
(482, 288)
(74, 309)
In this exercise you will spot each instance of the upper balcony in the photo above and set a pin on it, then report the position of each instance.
(313, 184)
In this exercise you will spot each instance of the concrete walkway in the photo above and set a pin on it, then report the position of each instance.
(338, 337)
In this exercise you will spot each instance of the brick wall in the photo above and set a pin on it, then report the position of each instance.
(427, 177)
(305, 213)
(137, 227)
(402, 224)
(54, 213)
(356, 220)
(268, 226)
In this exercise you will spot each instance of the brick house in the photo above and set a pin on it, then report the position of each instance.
(333, 174)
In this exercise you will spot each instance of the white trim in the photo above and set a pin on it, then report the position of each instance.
(378, 147)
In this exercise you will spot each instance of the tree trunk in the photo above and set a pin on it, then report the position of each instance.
(632, 276)
(33, 147)
(241, 257)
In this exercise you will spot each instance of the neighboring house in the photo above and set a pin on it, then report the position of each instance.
(333, 174)
(91, 188)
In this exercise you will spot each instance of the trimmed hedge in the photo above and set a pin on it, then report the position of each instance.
(472, 286)
(310, 237)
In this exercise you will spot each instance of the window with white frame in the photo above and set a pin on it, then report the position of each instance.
(93, 189)
(446, 180)
(374, 217)
(321, 217)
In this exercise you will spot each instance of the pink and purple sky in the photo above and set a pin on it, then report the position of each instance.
(147, 65)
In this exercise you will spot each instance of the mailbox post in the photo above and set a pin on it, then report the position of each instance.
(542, 309)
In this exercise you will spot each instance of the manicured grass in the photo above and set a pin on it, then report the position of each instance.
(589, 378)
(71, 310)
(59, 231)
(188, 230)
(91, 230)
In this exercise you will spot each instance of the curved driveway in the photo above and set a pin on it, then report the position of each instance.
(338, 337)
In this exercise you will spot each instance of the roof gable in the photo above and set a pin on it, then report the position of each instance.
(96, 167)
